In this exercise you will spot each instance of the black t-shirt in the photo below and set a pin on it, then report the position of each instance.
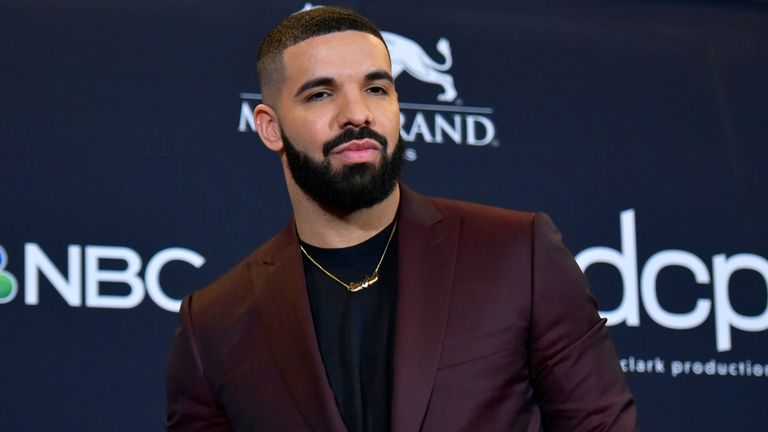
(355, 330)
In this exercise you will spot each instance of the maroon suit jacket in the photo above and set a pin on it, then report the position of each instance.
(496, 330)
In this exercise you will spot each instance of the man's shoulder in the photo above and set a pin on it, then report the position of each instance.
(482, 219)
(484, 216)
(478, 221)
(474, 210)
(234, 289)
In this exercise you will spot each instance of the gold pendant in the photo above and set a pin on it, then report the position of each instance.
(365, 283)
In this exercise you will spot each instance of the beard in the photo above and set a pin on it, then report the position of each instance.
(351, 187)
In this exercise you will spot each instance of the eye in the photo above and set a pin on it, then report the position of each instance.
(378, 90)
(318, 95)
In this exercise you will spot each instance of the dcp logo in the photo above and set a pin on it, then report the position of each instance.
(8, 284)
(640, 287)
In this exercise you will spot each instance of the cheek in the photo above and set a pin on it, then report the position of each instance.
(395, 120)
(393, 128)
(305, 133)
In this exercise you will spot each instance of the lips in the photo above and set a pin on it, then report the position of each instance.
(357, 151)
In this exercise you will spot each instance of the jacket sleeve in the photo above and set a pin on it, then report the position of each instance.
(190, 403)
(574, 367)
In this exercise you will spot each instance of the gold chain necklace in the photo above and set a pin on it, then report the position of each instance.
(368, 280)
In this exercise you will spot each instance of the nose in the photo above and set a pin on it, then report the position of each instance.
(354, 111)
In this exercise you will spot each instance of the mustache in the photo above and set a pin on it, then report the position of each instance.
(351, 134)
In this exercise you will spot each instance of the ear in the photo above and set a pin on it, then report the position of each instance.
(268, 127)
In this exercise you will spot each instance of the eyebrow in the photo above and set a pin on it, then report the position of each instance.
(379, 75)
(330, 82)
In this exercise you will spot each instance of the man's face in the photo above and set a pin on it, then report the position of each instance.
(340, 120)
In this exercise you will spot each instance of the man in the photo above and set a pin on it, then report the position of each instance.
(377, 308)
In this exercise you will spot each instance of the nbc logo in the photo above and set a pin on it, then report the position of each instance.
(81, 282)
(8, 285)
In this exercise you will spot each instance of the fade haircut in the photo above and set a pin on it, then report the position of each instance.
(297, 28)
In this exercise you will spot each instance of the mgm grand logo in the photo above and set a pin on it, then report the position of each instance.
(447, 120)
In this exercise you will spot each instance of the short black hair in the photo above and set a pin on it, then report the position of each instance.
(299, 27)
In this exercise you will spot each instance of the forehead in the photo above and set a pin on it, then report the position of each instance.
(335, 55)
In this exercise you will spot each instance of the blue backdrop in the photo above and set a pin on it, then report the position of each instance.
(132, 176)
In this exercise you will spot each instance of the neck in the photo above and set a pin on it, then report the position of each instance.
(322, 228)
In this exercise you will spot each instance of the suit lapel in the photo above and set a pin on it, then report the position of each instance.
(287, 322)
(427, 246)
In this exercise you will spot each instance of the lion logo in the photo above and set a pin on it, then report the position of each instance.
(408, 56)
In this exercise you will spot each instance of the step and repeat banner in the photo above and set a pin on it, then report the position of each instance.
(131, 175)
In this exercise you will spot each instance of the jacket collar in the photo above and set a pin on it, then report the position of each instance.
(427, 245)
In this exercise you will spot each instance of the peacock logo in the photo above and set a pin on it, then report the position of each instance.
(8, 285)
